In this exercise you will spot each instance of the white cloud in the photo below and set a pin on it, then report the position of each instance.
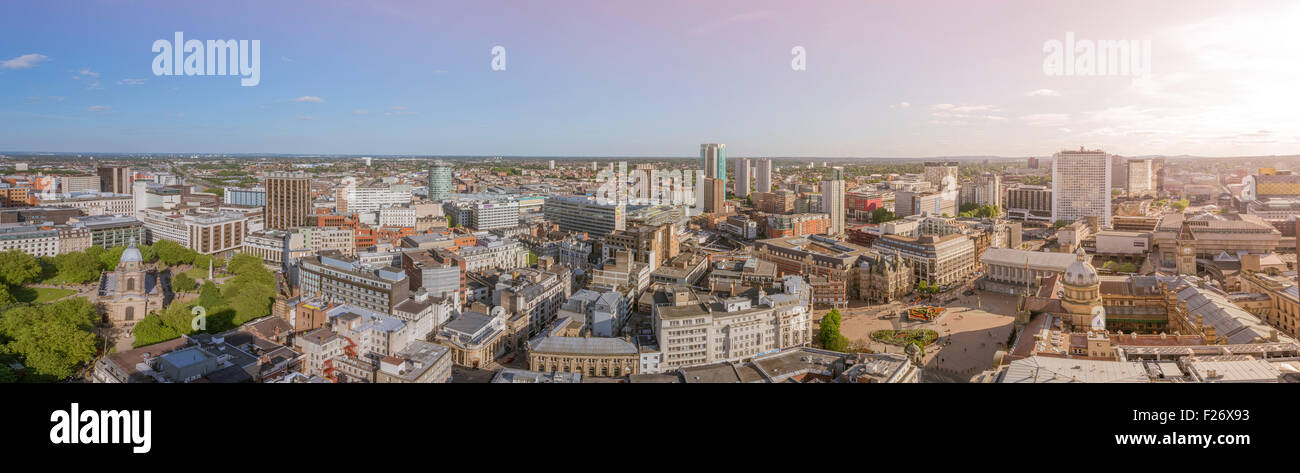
(85, 73)
(400, 110)
(963, 112)
(1044, 93)
(901, 105)
(131, 82)
(1045, 119)
(964, 108)
(99, 108)
(25, 61)
(309, 99)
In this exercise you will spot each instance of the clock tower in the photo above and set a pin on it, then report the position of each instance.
(1186, 257)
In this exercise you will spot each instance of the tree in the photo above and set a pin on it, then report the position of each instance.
(882, 215)
(53, 339)
(252, 301)
(183, 282)
(171, 253)
(1180, 205)
(111, 258)
(210, 296)
(18, 268)
(147, 253)
(77, 267)
(829, 332)
(6, 297)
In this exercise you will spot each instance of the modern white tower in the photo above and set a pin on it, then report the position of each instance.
(1081, 185)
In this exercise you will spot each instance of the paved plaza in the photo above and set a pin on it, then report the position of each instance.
(971, 330)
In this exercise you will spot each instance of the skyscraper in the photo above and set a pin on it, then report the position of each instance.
(742, 178)
(764, 176)
(713, 158)
(1081, 185)
(115, 179)
(833, 200)
(439, 181)
(714, 195)
(288, 199)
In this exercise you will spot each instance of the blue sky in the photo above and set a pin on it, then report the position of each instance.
(623, 78)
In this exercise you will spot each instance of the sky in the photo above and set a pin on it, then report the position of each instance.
(652, 79)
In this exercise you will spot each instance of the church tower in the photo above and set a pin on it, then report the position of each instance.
(130, 271)
(1186, 259)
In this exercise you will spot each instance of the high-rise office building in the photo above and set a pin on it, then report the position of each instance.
(1081, 185)
(742, 178)
(288, 199)
(763, 176)
(587, 214)
(833, 200)
(713, 157)
(115, 179)
(440, 181)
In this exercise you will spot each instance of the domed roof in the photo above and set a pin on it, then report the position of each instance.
(131, 254)
(1080, 272)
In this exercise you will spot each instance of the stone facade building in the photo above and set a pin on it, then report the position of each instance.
(884, 278)
(589, 356)
(131, 291)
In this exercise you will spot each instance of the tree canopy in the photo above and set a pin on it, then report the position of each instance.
(52, 339)
(18, 268)
(829, 332)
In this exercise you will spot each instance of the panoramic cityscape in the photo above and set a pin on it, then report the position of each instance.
(502, 192)
(956, 199)
(1074, 266)
(589, 192)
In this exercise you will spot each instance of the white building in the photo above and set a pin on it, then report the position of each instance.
(742, 178)
(92, 203)
(397, 216)
(491, 251)
(763, 176)
(204, 232)
(1081, 185)
(368, 198)
(833, 200)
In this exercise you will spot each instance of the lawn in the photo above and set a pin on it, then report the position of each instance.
(40, 295)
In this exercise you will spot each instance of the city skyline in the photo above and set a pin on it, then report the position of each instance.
(631, 81)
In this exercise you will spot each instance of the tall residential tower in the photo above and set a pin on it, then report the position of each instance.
(833, 199)
(763, 176)
(713, 158)
(742, 178)
(1081, 185)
